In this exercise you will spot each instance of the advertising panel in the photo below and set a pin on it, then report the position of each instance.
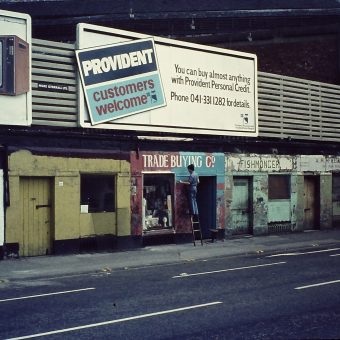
(207, 90)
(120, 80)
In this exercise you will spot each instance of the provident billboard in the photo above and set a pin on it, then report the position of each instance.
(120, 79)
(132, 81)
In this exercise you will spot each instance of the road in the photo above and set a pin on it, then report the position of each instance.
(285, 296)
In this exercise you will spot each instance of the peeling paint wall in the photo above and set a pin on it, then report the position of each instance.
(260, 204)
(326, 201)
(294, 201)
(257, 168)
(299, 208)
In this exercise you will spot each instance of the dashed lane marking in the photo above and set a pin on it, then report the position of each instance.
(305, 253)
(110, 322)
(183, 275)
(47, 294)
(317, 285)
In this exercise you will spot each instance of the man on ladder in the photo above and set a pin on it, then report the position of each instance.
(193, 181)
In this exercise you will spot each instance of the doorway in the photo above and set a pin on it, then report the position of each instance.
(35, 202)
(241, 207)
(206, 201)
(311, 219)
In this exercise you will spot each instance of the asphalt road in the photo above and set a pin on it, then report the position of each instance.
(288, 296)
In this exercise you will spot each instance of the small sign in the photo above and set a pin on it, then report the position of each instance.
(120, 80)
(84, 209)
(53, 87)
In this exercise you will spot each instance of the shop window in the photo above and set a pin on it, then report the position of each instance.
(278, 187)
(158, 201)
(98, 193)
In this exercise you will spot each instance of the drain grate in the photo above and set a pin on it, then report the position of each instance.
(275, 228)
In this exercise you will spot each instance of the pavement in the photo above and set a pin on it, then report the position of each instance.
(52, 266)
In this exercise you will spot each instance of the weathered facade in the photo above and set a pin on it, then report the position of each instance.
(72, 189)
(273, 193)
(156, 190)
(60, 204)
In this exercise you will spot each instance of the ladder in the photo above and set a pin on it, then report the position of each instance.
(196, 229)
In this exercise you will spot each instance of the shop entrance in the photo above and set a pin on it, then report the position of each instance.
(241, 207)
(158, 202)
(206, 201)
(311, 202)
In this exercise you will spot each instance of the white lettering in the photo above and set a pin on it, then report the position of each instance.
(119, 61)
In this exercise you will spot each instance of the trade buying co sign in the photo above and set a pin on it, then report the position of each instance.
(120, 80)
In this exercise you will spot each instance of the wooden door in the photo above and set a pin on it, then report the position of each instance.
(311, 202)
(35, 199)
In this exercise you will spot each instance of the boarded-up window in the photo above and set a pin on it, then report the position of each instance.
(98, 193)
(278, 187)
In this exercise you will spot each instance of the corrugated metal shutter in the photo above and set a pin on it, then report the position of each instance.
(298, 108)
(53, 65)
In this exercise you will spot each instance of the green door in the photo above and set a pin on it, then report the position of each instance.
(240, 207)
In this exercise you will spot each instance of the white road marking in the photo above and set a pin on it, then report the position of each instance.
(308, 252)
(48, 294)
(318, 284)
(335, 255)
(183, 275)
(110, 322)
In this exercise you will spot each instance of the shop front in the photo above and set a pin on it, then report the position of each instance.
(261, 193)
(319, 191)
(67, 204)
(160, 202)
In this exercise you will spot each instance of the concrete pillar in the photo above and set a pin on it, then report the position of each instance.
(260, 204)
(326, 211)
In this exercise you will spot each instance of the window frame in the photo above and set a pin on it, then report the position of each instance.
(279, 194)
(99, 201)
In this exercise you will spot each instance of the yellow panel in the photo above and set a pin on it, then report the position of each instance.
(97, 224)
(66, 221)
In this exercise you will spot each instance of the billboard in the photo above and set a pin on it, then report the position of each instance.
(200, 89)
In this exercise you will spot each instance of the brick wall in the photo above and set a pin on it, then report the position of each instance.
(315, 59)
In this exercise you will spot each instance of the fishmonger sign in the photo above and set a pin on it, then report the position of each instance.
(120, 80)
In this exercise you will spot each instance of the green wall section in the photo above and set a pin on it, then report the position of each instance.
(64, 173)
(260, 204)
(326, 209)
(300, 205)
